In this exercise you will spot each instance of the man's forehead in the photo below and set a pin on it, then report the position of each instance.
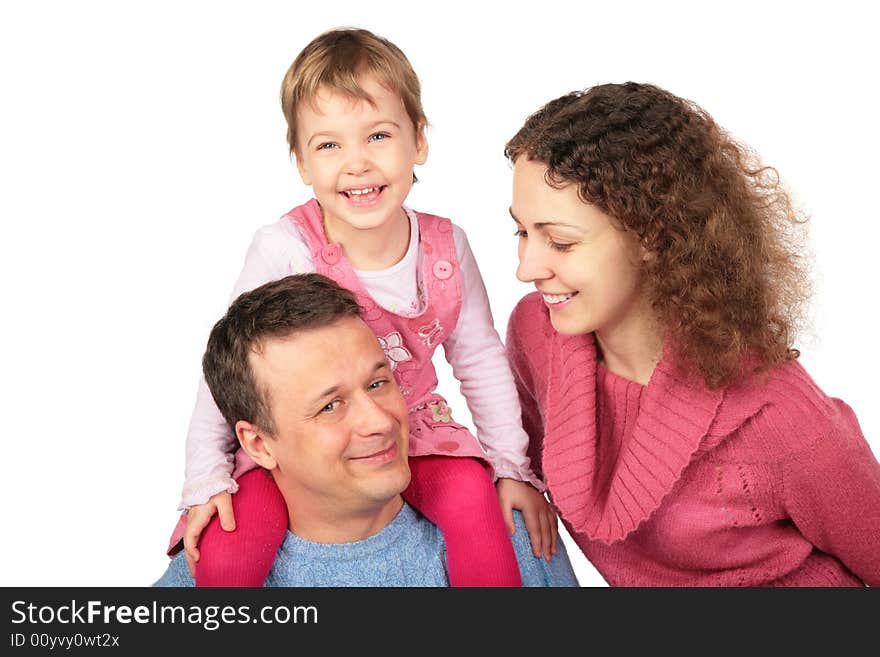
(307, 356)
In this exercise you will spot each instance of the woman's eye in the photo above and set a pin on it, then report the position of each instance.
(519, 233)
(559, 246)
(378, 384)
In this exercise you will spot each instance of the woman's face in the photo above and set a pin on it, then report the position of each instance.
(585, 267)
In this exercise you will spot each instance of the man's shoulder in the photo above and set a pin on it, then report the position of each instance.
(536, 571)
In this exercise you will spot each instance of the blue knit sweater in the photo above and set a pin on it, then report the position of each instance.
(409, 552)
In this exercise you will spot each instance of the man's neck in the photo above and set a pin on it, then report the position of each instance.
(335, 525)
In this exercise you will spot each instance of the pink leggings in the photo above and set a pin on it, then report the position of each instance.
(455, 493)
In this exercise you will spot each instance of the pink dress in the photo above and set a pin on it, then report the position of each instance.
(408, 342)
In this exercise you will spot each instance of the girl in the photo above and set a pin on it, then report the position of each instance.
(682, 442)
(356, 129)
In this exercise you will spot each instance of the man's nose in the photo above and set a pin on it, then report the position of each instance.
(372, 417)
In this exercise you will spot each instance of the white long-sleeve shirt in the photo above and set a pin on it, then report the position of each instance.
(473, 349)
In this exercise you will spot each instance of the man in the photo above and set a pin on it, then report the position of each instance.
(325, 417)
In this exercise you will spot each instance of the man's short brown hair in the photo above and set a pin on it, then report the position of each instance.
(275, 310)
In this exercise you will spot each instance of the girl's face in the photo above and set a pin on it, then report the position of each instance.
(585, 268)
(358, 156)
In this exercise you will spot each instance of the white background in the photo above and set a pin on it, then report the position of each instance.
(142, 144)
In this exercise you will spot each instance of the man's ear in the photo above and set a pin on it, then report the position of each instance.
(301, 167)
(258, 445)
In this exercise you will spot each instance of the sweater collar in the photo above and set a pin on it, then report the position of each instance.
(608, 501)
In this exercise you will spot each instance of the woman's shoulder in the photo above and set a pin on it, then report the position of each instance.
(788, 386)
(791, 405)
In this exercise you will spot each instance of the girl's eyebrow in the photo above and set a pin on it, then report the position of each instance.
(329, 134)
(322, 135)
(376, 124)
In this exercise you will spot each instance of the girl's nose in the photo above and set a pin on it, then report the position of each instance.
(357, 162)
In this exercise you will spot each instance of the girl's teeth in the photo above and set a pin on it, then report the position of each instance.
(557, 298)
(360, 192)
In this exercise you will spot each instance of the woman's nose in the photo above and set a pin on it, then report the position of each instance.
(531, 263)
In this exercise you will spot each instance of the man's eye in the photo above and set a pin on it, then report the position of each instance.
(332, 406)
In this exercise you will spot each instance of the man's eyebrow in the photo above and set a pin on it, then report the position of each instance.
(379, 365)
(332, 390)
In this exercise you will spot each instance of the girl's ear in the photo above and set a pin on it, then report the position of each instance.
(303, 170)
(258, 445)
(421, 146)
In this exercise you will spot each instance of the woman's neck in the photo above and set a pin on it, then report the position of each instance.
(631, 349)
(371, 249)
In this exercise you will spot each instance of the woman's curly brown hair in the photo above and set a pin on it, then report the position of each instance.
(725, 275)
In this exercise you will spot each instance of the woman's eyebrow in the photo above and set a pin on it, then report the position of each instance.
(542, 224)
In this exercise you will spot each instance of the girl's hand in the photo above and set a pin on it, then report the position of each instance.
(198, 518)
(538, 514)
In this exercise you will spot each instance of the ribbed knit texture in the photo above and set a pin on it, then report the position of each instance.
(672, 484)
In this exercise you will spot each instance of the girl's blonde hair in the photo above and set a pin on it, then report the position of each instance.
(335, 59)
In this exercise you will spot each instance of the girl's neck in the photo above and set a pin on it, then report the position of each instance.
(372, 249)
(631, 349)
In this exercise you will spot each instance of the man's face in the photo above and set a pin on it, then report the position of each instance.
(341, 439)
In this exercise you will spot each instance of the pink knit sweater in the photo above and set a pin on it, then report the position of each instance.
(766, 483)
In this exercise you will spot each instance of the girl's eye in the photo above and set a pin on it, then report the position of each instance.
(326, 146)
(379, 136)
(332, 406)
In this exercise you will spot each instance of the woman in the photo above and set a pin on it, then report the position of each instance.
(681, 441)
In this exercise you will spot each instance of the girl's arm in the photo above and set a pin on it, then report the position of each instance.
(277, 250)
(478, 361)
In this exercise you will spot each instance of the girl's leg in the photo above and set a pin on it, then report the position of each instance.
(244, 557)
(457, 495)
